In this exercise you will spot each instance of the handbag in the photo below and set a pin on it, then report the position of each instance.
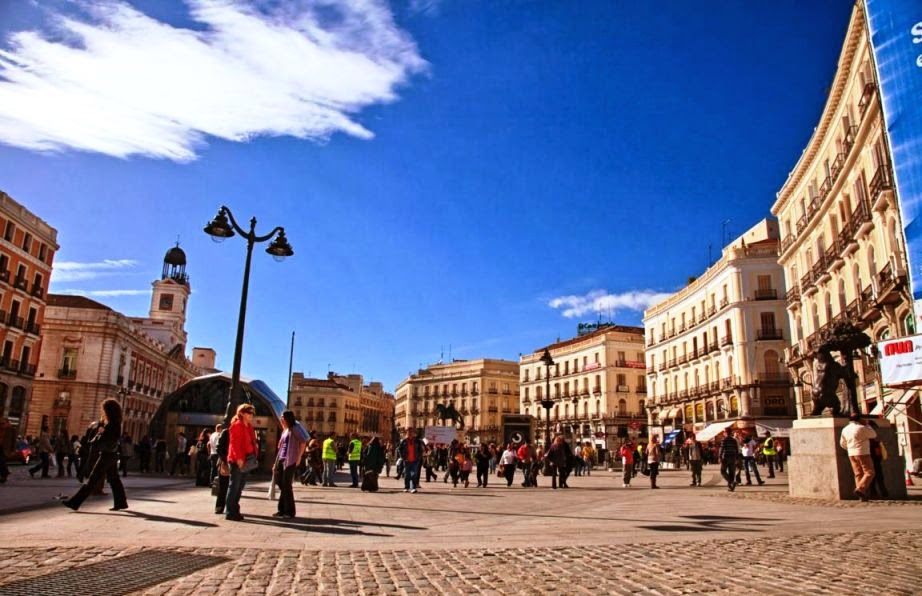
(271, 494)
(250, 464)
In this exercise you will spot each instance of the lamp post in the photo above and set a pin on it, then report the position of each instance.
(547, 403)
(224, 226)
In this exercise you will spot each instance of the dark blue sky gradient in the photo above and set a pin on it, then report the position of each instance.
(552, 148)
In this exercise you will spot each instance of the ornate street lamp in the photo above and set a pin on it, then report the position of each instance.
(547, 403)
(224, 226)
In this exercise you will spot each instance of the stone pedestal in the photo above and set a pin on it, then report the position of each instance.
(819, 469)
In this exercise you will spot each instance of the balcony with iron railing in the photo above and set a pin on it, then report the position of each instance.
(726, 340)
(881, 181)
(773, 378)
(851, 135)
(640, 389)
(33, 328)
(793, 295)
(767, 333)
(67, 373)
(650, 370)
(20, 283)
(37, 290)
(766, 294)
(867, 96)
(15, 321)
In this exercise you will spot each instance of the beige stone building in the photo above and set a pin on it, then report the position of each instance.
(26, 255)
(91, 353)
(842, 245)
(481, 390)
(598, 384)
(342, 404)
(714, 348)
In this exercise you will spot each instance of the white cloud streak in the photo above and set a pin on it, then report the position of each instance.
(602, 301)
(104, 293)
(113, 80)
(70, 271)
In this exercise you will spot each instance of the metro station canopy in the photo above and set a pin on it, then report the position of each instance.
(208, 395)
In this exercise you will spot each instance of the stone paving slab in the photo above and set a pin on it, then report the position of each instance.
(886, 562)
(595, 537)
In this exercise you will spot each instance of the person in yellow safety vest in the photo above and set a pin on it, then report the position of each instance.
(355, 454)
(329, 459)
(768, 450)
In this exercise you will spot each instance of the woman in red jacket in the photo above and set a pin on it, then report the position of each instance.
(242, 445)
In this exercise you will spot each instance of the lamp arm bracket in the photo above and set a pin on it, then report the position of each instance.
(233, 221)
(276, 229)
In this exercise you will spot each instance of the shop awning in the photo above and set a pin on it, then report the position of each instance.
(778, 428)
(712, 430)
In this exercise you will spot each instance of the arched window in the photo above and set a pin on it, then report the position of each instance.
(709, 411)
(770, 363)
(622, 407)
(842, 298)
(598, 407)
(734, 406)
(816, 317)
(721, 409)
(798, 328)
(827, 300)
(17, 402)
(872, 266)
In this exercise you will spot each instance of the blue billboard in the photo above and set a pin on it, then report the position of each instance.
(895, 28)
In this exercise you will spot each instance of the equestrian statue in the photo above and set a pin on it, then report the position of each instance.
(443, 413)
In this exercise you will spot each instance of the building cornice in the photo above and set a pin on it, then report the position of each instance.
(844, 71)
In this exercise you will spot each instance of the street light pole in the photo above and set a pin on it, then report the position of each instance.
(547, 403)
(223, 226)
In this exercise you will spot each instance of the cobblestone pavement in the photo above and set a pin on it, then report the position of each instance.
(595, 537)
(888, 562)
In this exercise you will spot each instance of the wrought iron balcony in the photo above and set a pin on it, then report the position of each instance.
(766, 294)
(769, 334)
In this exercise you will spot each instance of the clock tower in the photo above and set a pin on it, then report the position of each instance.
(169, 299)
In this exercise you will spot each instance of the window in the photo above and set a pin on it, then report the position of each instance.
(42, 252)
(526, 394)
(27, 242)
(525, 378)
(8, 231)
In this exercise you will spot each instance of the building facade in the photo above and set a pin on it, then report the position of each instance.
(715, 348)
(842, 245)
(342, 404)
(482, 391)
(91, 353)
(26, 257)
(597, 383)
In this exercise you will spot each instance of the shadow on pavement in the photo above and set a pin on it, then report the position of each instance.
(713, 523)
(155, 518)
(325, 526)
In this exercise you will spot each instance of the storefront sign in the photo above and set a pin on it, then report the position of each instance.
(900, 360)
(440, 434)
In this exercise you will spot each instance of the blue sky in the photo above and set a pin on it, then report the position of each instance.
(474, 174)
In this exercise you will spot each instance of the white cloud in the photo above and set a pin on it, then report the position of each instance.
(601, 301)
(113, 80)
(104, 293)
(70, 271)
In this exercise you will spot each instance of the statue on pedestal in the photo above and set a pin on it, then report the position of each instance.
(844, 338)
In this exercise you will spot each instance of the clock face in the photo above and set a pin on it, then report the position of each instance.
(166, 302)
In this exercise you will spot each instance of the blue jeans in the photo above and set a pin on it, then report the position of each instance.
(329, 471)
(750, 462)
(238, 480)
(354, 471)
(411, 474)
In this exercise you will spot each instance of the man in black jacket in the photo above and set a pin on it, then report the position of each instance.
(729, 453)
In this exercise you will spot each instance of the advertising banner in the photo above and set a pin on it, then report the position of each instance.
(901, 361)
(440, 434)
(896, 37)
